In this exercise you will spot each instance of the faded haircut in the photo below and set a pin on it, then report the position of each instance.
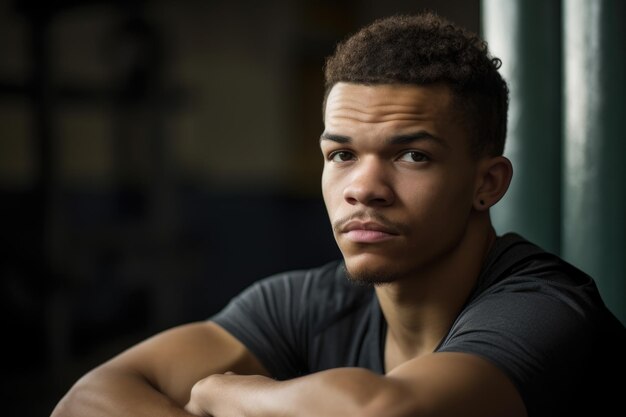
(427, 49)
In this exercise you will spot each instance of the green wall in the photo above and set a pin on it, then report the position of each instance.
(565, 62)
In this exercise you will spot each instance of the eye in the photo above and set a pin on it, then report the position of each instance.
(341, 156)
(414, 156)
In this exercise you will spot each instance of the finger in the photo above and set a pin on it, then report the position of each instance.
(191, 408)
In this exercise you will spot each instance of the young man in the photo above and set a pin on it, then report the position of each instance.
(429, 313)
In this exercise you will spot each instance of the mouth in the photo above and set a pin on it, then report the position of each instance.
(358, 231)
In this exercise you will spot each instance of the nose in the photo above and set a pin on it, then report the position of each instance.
(369, 185)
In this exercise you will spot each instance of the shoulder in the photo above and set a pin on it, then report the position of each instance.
(278, 317)
(322, 280)
(535, 290)
(517, 265)
(321, 291)
(313, 293)
(538, 318)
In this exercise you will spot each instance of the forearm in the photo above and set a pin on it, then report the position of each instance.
(337, 392)
(109, 392)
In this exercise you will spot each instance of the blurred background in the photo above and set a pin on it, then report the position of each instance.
(156, 157)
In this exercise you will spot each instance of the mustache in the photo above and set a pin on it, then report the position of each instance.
(370, 215)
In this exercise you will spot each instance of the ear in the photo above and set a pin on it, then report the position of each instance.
(492, 181)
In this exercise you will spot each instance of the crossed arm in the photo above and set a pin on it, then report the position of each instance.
(167, 376)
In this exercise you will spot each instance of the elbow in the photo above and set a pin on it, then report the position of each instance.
(83, 398)
(68, 402)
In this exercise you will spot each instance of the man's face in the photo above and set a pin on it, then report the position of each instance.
(398, 178)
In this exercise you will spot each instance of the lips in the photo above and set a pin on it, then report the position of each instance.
(369, 226)
(358, 231)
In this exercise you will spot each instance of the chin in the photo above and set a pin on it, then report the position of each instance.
(362, 269)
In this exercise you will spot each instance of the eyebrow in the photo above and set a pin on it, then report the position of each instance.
(394, 140)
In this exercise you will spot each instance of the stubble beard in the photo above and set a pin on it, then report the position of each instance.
(368, 277)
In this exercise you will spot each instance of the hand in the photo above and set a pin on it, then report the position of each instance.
(225, 395)
(198, 400)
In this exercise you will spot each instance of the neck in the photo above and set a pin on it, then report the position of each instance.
(419, 309)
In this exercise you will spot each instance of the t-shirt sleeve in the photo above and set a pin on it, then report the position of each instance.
(268, 318)
(533, 332)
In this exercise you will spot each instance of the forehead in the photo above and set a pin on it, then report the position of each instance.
(368, 113)
(387, 102)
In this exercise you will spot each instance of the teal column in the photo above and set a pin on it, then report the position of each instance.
(526, 36)
(594, 192)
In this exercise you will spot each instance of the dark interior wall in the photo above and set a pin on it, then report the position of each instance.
(156, 157)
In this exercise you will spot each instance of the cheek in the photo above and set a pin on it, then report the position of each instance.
(329, 191)
(439, 196)
(457, 201)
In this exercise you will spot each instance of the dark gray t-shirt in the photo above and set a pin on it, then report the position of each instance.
(537, 318)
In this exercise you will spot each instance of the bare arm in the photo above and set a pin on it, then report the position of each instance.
(155, 377)
(439, 384)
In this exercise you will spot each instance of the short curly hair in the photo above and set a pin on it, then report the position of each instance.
(427, 49)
